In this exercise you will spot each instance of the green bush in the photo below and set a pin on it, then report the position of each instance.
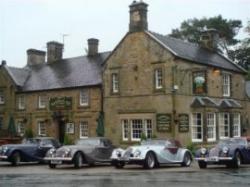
(28, 133)
(143, 136)
(191, 147)
(67, 140)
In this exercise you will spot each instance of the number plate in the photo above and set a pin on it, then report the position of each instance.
(212, 159)
(56, 162)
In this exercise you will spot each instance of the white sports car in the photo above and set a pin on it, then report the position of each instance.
(152, 153)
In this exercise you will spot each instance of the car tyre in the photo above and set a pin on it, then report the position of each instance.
(150, 161)
(119, 164)
(237, 160)
(52, 166)
(16, 158)
(78, 160)
(202, 164)
(187, 160)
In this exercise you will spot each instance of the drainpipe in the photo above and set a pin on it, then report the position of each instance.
(174, 121)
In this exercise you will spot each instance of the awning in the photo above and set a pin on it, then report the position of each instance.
(199, 102)
(229, 103)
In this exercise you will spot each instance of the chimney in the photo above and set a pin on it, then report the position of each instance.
(138, 16)
(209, 39)
(3, 62)
(92, 46)
(54, 51)
(35, 57)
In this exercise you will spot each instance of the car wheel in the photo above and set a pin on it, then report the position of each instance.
(119, 164)
(78, 160)
(52, 166)
(15, 158)
(150, 161)
(186, 160)
(237, 160)
(202, 164)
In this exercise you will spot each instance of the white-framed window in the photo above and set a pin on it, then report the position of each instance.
(224, 121)
(84, 129)
(21, 102)
(70, 128)
(42, 100)
(236, 125)
(158, 78)
(84, 97)
(197, 127)
(125, 130)
(149, 128)
(115, 83)
(20, 128)
(41, 128)
(226, 85)
(139, 126)
(2, 98)
(211, 127)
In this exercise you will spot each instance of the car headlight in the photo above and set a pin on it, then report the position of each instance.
(4, 149)
(203, 151)
(137, 153)
(66, 153)
(52, 151)
(225, 150)
(118, 153)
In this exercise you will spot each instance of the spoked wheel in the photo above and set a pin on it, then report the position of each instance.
(78, 161)
(186, 160)
(15, 159)
(236, 161)
(150, 161)
(202, 164)
(119, 164)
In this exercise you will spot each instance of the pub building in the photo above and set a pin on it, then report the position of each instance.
(149, 85)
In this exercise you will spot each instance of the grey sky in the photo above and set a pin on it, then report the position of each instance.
(28, 24)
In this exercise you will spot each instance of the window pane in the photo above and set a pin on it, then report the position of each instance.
(226, 85)
(84, 97)
(84, 129)
(41, 128)
(158, 79)
(125, 129)
(236, 125)
(137, 129)
(211, 127)
(224, 125)
(197, 127)
(115, 83)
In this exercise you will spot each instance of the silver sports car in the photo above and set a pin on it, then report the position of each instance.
(86, 151)
(152, 153)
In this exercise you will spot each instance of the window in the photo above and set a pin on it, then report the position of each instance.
(199, 83)
(125, 130)
(84, 129)
(139, 126)
(42, 101)
(211, 127)
(226, 85)
(70, 128)
(158, 79)
(115, 83)
(149, 128)
(20, 128)
(41, 128)
(197, 127)
(21, 102)
(224, 122)
(2, 100)
(236, 125)
(84, 97)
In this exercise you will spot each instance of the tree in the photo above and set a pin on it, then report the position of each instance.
(191, 28)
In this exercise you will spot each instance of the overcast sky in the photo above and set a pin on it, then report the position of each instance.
(28, 24)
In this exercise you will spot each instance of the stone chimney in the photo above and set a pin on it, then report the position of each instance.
(138, 16)
(35, 57)
(54, 51)
(209, 39)
(92, 46)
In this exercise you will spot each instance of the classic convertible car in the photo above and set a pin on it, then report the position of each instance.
(231, 152)
(152, 153)
(31, 150)
(86, 151)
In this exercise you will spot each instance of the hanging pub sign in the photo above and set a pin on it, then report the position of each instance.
(199, 82)
(183, 123)
(163, 122)
(60, 103)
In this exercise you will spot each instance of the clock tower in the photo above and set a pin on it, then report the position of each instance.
(138, 16)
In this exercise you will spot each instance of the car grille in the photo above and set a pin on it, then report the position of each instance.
(214, 152)
(60, 153)
(127, 153)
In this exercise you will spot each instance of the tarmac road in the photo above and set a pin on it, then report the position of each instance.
(106, 176)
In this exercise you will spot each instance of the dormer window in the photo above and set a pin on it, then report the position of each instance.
(2, 99)
(226, 85)
(21, 102)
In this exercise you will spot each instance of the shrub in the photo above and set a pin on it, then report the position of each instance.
(28, 133)
(67, 140)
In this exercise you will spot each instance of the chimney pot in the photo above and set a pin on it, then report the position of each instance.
(93, 46)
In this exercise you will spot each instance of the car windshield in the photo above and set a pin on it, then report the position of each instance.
(156, 142)
(232, 141)
(31, 141)
(93, 142)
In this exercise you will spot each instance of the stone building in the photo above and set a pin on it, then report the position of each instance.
(158, 86)
(54, 97)
(150, 85)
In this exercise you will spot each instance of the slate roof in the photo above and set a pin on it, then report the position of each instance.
(248, 88)
(195, 53)
(66, 73)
